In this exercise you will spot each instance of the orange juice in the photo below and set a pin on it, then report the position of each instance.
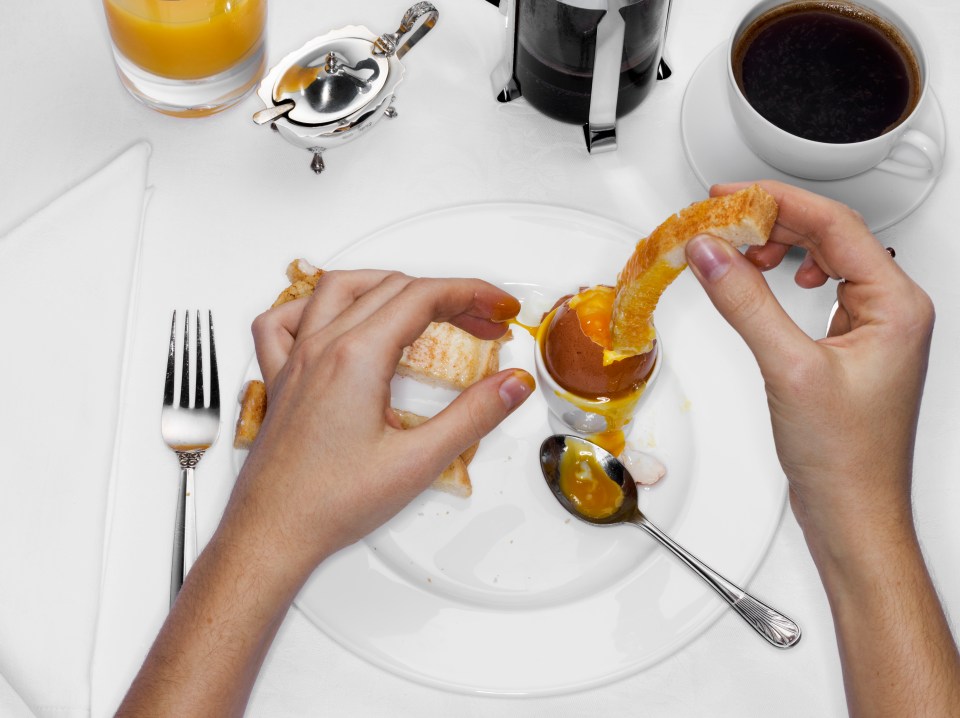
(186, 39)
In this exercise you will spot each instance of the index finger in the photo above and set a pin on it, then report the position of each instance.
(472, 304)
(274, 334)
(831, 232)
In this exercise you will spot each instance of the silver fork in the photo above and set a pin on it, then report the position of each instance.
(189, 431)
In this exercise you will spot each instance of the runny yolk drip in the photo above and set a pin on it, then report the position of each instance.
(586, 485)
(529, 329)
(594, 308)
(614, 440)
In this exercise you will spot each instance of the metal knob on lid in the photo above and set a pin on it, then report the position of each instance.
(339, 84)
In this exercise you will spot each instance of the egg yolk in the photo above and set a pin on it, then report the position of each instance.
(594, 307)
(586, 485)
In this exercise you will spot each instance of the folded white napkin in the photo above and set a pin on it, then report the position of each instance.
(11, 704)
(66, 276)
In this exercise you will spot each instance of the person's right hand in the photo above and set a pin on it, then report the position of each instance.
(844, 408)
(331, 463)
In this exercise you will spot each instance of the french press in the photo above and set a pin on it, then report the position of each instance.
(583, 61)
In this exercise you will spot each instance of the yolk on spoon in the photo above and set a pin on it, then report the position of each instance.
(586, 485)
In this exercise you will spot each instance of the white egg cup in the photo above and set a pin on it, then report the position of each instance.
(583, 415)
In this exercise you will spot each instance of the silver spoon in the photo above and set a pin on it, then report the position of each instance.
(270, 114)
(776, 628)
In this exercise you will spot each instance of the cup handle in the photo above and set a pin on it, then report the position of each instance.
(926, 145)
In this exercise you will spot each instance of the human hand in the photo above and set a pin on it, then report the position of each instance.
(844, 408)
(331, 463)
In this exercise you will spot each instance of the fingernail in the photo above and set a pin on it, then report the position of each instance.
(807, 263)
(504, 309)
(709, 257)
(517, 387)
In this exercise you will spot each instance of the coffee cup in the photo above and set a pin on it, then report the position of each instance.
(827, 119)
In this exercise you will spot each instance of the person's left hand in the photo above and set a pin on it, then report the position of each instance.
(330, 463)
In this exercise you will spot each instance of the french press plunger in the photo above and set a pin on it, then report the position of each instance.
(583, 61)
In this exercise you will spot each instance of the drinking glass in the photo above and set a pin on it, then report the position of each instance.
(188, 57)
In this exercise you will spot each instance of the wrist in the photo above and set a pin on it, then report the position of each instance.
(229, 609)
(853, 543)
(266, 529)
(844, 510)
(262, 557)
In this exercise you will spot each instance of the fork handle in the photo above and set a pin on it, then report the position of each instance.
(184, 534)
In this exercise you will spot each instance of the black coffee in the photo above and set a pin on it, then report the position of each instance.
(556, 43)
(564, 94)
(827, 71)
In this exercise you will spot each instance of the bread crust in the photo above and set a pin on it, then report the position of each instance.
(455, 479)
(253, 407)
(744, 217)
(303, 278)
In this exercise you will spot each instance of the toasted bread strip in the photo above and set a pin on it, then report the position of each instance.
(253, 407)
(744, 217)
(303, 278)
(468, 455)
(301, 269)
(455, 479)
(450, 357)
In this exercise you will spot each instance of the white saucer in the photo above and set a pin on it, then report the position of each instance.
(717, 153)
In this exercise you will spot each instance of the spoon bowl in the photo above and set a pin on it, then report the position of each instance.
(551, 453)
(777, 629)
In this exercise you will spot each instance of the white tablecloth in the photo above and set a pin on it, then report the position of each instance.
(232, 203)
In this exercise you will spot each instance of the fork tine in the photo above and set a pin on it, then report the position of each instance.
(214, 379)
(198, 393)
(185, 377)
(171, 363)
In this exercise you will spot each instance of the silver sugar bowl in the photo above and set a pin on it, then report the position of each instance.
(339, 85)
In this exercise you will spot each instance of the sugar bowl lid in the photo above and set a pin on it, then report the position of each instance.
(331, 80)
(337, 84)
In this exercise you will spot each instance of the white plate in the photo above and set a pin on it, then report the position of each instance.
(717, 153)
(504, 593)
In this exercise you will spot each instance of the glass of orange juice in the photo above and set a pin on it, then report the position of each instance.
(188, 57)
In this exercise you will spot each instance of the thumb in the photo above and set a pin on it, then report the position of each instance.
(741, 295)
(475, 413)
